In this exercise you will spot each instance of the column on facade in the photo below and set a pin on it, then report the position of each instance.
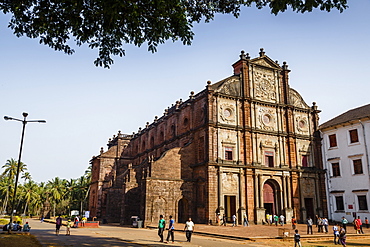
(220, 199)
(284, 191)
(260, 186)
(256, 191)
(289, 197)
(317, 190)
(300, 189)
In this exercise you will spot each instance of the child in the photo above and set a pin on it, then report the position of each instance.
(366, 222)
(297, 239)
(69, 225)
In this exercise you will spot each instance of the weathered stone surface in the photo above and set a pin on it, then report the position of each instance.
(245, 144)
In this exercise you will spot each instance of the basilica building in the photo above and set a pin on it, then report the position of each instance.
(248, 144)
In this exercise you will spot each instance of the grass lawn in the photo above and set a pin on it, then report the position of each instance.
(15, 239)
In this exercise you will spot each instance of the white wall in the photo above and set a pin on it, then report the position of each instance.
(348, 184)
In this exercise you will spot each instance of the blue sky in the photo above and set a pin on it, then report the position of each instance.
(85, 105)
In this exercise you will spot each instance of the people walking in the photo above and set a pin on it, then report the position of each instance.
(58, 224)
(342, 237)
(344, 223)
(161, 226)
(309, 223)
(325, 223)
(171, 230)
(366, 222)
(282, 219)
(294, 223)
(77, 220)
(360, 224)
(320, 225)
(276, 219)
(234, 220)
(245, 220)
(189, 229)
(336, 233)
(297, 239)
(224, 220)
(69, 225)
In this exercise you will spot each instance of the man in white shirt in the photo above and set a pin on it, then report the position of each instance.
(189, 228)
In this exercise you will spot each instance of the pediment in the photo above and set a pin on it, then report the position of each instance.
(229, 86)
(265, 61)
(296, 99)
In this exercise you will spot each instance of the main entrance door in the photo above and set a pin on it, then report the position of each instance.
(230, 206)
(308, 203)
(269, 198)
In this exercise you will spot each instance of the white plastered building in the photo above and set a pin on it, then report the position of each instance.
(345, 149)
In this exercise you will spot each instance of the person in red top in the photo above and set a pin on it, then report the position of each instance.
(366, 222)
(356, 224)
(294, 223)
(360, 224)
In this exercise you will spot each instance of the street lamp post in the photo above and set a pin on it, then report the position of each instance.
(24, 122)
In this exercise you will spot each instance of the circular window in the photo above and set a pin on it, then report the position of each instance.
(302, 124)
(266, 119)
(227, 113)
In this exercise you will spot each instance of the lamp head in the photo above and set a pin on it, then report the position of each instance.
(7, 118)
(25, 114)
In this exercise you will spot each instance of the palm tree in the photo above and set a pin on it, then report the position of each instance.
(26, 176)
(29, 191)
(37, 202)
(4, 192)
(56, 188)
(8, 174)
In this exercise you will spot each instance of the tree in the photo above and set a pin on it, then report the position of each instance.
(29, 192)
(109, 24)
(8, 176)
(56, 189)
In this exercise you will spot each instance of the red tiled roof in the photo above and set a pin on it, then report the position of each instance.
(357, 113)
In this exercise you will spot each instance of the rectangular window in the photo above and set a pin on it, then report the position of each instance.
(339, 203)
(357, 166)
(305, 160)
(362, 203)
(353, 136)
(333, 140)
(269, 159)
(336, 170)
(228, 153)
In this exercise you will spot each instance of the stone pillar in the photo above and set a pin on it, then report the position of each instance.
(303, 209)
(220, 197)
(260, 210)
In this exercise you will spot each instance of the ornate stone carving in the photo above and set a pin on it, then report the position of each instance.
(263, 63)
(230, 183)
(264, 84)
(227, 113)
(267, 118)
(308, 187)
(296, 99)
(302, 124)
(230, 86)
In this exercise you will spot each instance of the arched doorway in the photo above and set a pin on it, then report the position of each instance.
(270, 200)
(182, 211)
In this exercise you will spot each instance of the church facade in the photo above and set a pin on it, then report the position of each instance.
(248, 144)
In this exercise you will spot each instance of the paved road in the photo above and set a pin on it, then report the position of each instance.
(120, 236)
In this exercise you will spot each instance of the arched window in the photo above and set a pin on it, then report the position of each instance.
(152, 142)
(173, 130)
